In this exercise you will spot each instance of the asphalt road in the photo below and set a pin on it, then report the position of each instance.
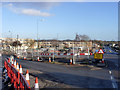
(114, 68)
(79, 76)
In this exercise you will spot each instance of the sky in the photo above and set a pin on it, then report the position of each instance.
(60, 20)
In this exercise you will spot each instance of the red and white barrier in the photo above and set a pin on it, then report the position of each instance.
(68, 54)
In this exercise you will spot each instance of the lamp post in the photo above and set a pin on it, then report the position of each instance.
(38, 32)
(73, 54)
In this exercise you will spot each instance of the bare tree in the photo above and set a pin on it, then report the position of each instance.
(30, 42)
(16, 44)
(84, 37)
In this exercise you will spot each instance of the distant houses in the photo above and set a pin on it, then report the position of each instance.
(7, 44)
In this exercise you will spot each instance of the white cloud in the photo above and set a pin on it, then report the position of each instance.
(34, 12)
(26, 11)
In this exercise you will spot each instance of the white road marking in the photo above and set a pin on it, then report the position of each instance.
(110, 72)
(113, 85)
(111, 77)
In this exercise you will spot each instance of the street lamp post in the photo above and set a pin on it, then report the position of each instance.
(38, 32)
(73, 54)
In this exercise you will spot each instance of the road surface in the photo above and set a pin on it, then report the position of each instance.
(77, 76)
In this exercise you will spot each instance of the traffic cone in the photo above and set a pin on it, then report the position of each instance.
(15, 63)
(70, 61)
(24, 58)
(9, 60)
(49, 59)
(36, 83)
(17, 67)
(21, 69)
(27, 77)
(38, 58)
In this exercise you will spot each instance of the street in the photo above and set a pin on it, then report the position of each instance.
(77, 76)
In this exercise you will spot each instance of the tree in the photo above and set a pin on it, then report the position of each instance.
(84, 37)
(30, 42)
(16, 44)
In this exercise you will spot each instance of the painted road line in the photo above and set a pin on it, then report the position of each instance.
(111, 77)
(114, 84)
(110, 72)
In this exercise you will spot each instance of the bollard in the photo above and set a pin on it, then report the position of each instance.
(49, 59)
(70, 61)
(21, 69)
(36, 83)
(27, 77)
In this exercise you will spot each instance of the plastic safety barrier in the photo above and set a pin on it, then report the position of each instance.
(16, 77)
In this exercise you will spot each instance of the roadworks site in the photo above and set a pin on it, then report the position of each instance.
(46, 80)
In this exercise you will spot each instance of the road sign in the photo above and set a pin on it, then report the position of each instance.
(101, 51)
(98, 56)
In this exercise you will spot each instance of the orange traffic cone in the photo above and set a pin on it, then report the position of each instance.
(38, 58)
(24, 58)
(49, 59)
(21, 69)
(36, 83)
(17, 67)
(9, 60)
(15, 63)
(27, 77)
(70, 61)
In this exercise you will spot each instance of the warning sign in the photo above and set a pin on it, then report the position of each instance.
(101, 51)
(98, 56)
